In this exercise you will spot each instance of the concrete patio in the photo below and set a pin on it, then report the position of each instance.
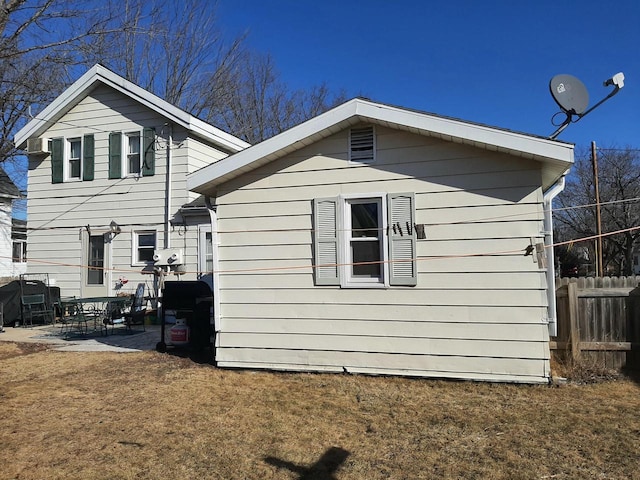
(118, 341)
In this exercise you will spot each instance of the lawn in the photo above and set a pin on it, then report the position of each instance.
(147, 415)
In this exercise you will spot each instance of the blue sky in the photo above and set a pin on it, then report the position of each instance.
(482, 61)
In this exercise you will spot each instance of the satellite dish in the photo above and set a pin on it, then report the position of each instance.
(572, 97)
(569, 93)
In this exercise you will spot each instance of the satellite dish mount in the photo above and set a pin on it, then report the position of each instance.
(572, 97)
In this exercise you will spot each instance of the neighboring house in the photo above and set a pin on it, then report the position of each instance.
(19, 246)
(8, 193)
(107, 180)
(381, 240)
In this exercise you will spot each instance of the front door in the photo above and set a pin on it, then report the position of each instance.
(96, 276)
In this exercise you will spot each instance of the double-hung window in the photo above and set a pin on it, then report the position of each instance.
(144, 245)
(365, 241)
(72, 159)
(132, 153)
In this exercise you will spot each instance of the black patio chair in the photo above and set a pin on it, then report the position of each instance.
(35, 306)
(138, 310)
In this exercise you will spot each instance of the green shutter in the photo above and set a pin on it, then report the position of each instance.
(57, 160)
(115, 155)
(402, 239)
(326, 219)
(88, 157)
(149, 152)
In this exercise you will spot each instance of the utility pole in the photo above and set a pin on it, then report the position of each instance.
(594, 162)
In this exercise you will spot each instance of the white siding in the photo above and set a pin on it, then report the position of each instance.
(58, 213)
(478, 310)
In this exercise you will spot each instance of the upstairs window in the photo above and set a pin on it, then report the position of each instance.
(72, 159)
(132, 153)
(362, 145)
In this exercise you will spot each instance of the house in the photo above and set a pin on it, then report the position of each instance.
(382, 240)
(19, 246)
(8, 193)
(108, 163)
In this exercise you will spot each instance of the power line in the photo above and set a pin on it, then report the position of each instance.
(312, 266)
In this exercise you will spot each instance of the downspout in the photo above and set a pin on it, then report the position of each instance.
(168, 192)
(213, 217)
(548, 197)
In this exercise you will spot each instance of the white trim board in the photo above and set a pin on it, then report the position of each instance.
(82, 87)
(556, 156)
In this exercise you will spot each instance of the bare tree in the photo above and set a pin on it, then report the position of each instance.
(259, 104)
(169, 48)
(173, 49)
(619, 186)
(39, 45)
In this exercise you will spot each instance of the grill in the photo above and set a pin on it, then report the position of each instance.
(191, 300)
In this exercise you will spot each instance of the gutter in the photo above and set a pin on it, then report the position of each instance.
(215, 276)
(548, 197)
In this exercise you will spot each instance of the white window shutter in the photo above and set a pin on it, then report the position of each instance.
(402, 239)
(326, 219)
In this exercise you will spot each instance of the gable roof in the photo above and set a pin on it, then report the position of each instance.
(556, 156)
(8, 189)
(97, 75)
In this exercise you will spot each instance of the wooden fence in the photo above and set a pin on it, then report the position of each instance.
(599, 319)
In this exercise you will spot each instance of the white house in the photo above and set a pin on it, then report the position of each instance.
(10, 266)
(382, 240)
(108, 163)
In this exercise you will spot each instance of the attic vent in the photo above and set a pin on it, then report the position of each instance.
(362, 145)
(37, 145)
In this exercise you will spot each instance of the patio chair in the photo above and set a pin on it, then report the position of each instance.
(35, 306)
(138, 310)
(115, 311)
(73, 319)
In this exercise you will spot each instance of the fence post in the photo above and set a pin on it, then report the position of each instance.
(574, 324)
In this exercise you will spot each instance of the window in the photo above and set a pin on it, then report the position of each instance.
(367, 241)
(144, 247)
(19, 254)
(362, 145)
(72, 159)
(363, 225)
(132, 153)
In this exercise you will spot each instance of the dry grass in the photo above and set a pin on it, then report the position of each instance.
(584, 369)
(153, 416)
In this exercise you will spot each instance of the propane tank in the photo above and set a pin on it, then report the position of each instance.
(180, 333)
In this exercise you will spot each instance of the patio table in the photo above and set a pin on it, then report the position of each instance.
(98, 312)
